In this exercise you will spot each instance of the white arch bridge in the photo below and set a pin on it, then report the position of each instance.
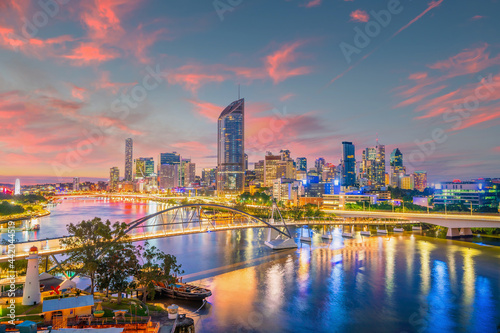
(198, 218)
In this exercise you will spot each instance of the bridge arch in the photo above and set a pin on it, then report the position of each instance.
(195, 218)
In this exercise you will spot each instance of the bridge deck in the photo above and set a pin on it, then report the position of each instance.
(52, 246)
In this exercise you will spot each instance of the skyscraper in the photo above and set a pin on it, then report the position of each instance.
(348, 164)
(231, 149)
(128, 159)
(380, 165)
(397, 169)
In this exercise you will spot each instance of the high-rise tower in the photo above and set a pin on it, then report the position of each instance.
(128, 159)
(231, 149)
(348, 164)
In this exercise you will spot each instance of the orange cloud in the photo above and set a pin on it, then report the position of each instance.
(359, 16)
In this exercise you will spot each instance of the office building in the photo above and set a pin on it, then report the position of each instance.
(301, 164)
(128, 159)
(397, 170)
(231, 149)
(114, 178)
(144, 167)
(348, 164)
(168, 176)
(407, 182)
(420, 178)
(481, 192)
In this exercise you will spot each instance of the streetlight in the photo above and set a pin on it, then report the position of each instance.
(470, 206)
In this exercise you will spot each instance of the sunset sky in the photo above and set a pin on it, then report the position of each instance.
(79, 77)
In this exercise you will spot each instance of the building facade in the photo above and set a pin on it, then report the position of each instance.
(128, 159)
(348, 164)
(420, 178)
(114, 178)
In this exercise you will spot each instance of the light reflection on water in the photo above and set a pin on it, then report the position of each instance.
(395, 283)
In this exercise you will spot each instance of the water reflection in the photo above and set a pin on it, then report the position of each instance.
(395, 283)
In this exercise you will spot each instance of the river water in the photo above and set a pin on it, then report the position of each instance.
(396, 283)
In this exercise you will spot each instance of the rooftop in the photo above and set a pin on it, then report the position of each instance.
(67, 303)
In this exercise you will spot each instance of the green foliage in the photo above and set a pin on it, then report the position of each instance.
(6, 208)
(118, 263)
(87, 242)
(258, 198)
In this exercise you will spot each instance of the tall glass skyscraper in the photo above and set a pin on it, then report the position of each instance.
(348, 164)
(128, 159)
(231, 149)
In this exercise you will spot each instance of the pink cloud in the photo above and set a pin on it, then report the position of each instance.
(192, 77)
(418, 76)
(359, 16)
(313, 3)
(420, 97)
(88, 54)
(206, 109)
(286, 97)
(431, 5)
(78, 92)
(104, 82)
(477, 17)
(277, 63)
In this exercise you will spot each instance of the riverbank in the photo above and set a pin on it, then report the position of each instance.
(24, 216)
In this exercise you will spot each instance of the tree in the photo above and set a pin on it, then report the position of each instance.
(116, 266)
(87, 242)
(156, 267)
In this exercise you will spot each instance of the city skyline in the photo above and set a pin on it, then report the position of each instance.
(65, 116)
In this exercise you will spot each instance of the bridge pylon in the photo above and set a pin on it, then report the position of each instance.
(276, 240)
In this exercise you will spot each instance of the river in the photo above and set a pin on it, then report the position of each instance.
(396, 283)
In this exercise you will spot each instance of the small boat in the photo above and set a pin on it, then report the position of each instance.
(181, 290)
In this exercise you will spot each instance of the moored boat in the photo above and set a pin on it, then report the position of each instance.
(181, 290)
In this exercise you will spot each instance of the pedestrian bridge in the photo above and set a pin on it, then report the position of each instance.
(201, 218)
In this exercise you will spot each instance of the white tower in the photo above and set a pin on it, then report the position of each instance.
(31, 291)
(17, 187)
